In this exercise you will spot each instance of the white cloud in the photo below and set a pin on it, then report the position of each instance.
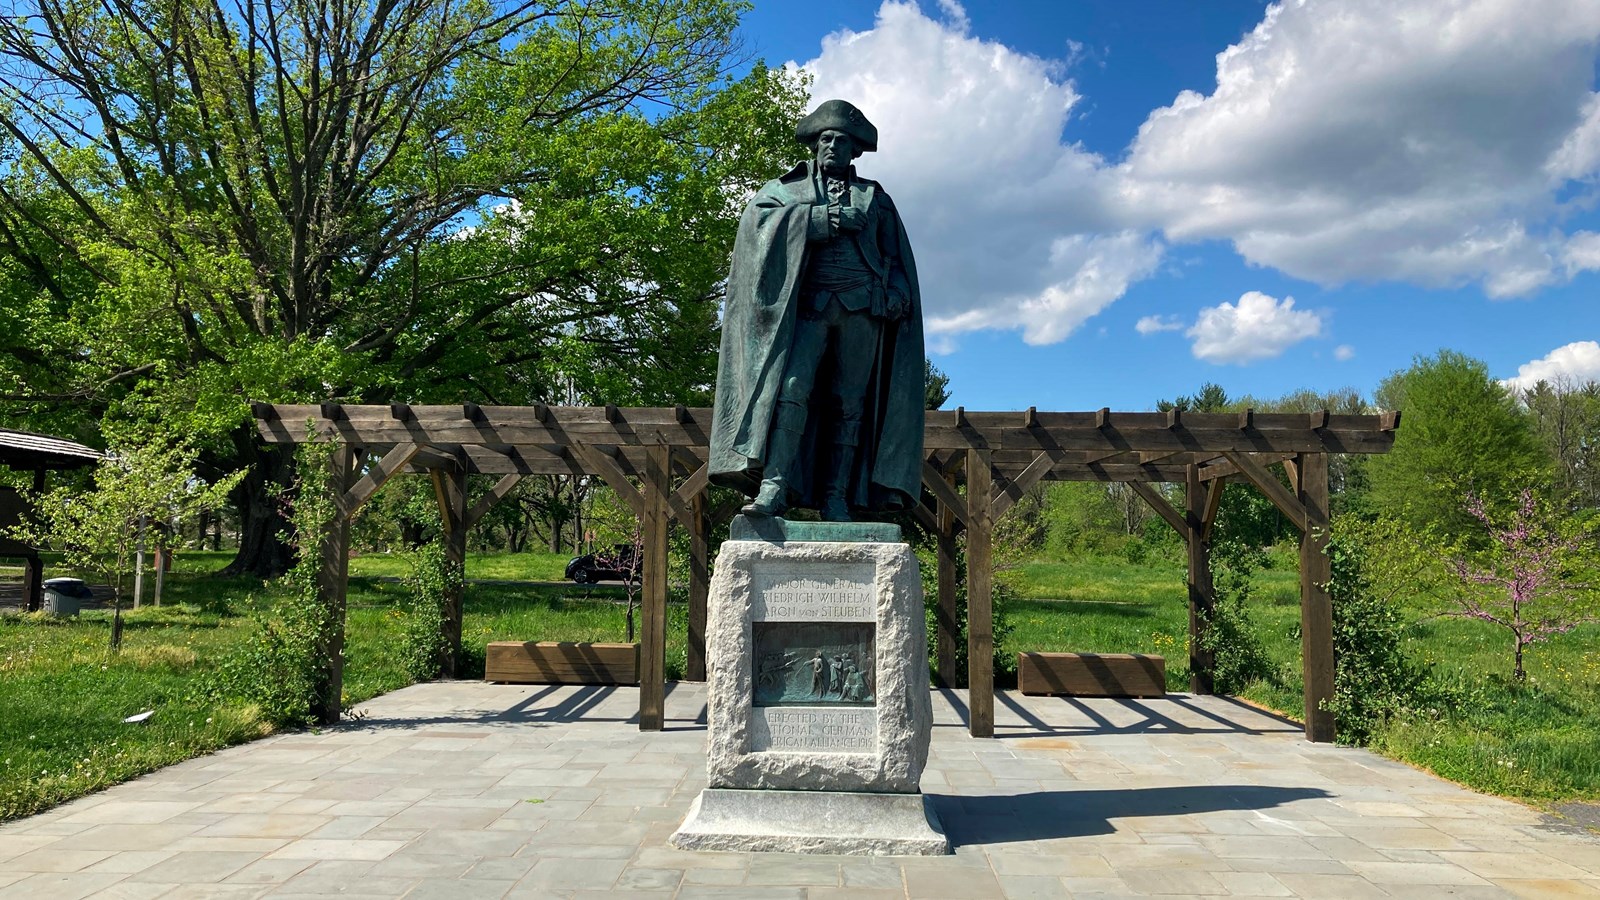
(1010, 226)
(1148, 325)
(1582, 252)
(955, 14)
(1367, 139)
(1439, 144)
(1575, 363)
(1258, 327)
(1344, 353)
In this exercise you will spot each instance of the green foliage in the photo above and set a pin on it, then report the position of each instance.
(1246, 516)
(282, 667)
(1374, 680)
(488, 226)
(432, 581)
(97, 529)
(1211, 398)
(1566, 417)
(1005, 661)
(936, 386)
(1461, 432)
(274, 668)
(1229, 631)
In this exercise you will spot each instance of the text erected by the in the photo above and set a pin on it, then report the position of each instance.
(813, 730)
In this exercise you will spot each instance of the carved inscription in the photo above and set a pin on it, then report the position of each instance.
(814, 730)
(797, 592)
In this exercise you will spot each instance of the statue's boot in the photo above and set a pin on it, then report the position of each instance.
(835, 508)
(771, 500)
(782, 448)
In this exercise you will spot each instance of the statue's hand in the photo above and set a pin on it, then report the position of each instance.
(898, 306)
(851, 219)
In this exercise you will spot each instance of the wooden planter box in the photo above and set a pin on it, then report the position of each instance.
(1092, 674)
(561, 662)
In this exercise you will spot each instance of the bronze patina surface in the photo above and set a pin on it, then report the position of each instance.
(820, 381)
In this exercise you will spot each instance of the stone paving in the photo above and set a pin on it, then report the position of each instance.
(473, 790)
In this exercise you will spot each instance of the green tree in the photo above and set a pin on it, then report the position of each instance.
(1462, 431)
(1566, 417)
(936, 386)
(1210, 398)
(96, 530)
(427, 200)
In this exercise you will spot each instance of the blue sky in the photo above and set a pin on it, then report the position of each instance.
(1068, 169)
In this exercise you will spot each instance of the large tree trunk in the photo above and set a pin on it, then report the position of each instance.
(264, 535)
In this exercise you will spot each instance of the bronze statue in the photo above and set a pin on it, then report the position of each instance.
(820, 383)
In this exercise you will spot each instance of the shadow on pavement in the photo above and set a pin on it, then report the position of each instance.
(1086, 718)
(577, 705)
(1044, 815)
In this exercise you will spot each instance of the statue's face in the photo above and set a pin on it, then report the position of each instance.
(835, 150)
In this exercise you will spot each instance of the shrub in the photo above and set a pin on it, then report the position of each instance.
(1005, 661)
(280, 668)
(1373, 679)
(1229, 631)
(431, 582)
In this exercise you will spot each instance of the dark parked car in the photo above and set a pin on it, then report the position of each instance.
(617, 564)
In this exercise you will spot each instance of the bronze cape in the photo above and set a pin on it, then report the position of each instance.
(758, 320)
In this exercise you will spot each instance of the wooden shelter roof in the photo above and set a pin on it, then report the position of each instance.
(26, 450)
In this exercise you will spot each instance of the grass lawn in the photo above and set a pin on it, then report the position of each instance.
(63, 697)
(532, 566)
(1538, 741)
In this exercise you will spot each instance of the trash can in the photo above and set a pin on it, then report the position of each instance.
(65, 596)
(58, 603)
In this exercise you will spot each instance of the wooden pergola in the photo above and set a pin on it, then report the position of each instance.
(998, 456)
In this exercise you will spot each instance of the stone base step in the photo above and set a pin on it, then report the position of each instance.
(830, 822)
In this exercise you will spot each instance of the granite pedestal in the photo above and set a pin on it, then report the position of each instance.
(817, 682)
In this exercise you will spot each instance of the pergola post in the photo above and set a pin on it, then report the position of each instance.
(33, 566)
(33, 583)
(653, 633)
(699, 585)
(333, 569)
(1316, 604)
(945, 611)
(450, 489)
(1202, 592)
(980, 594)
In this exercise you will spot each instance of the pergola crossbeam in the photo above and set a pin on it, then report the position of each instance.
(499, 492)
(393, 461)
(1162, 508)
(1281, 497)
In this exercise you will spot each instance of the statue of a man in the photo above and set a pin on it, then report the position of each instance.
(820, 382)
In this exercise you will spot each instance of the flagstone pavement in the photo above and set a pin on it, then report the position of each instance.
(463, 789)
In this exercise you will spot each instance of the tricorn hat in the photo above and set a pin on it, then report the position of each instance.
(837, 115)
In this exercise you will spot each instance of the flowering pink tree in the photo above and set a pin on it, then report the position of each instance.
(1530, 580)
